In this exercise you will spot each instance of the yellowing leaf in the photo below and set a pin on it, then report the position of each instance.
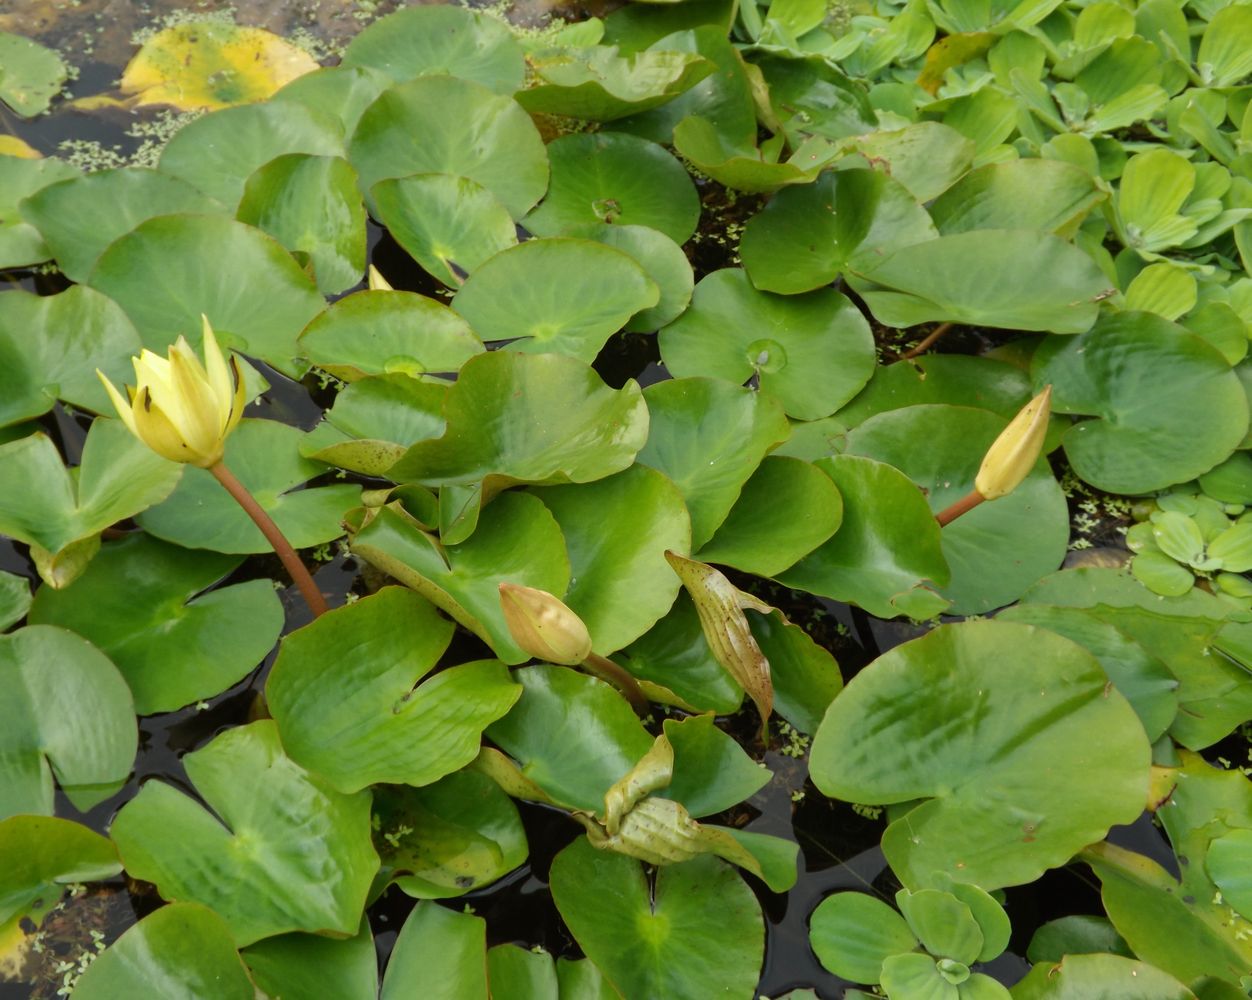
(11, 145)
(208, 64)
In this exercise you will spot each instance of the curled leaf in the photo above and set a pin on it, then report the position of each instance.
(653, 772)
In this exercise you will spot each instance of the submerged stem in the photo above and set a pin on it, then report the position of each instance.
(282, 548)
(963, 506)
(926, 342)
(624, 681)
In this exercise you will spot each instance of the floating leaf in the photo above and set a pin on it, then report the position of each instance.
(20, 242)
(256, 297)
(14, 599)
(663, 261)
(67, 712)
(925, 157)
(555, 296)
(310, 966)
(440, 952)
(1138, 377)
(211, 64)
(441, 125)
(280, 852)
(807, 235)
(141, 602)
(1078, 977)
(44, 855)
(991, 815)
(1049, 195)
(609, 177)
(812, 353)
(345, 695)
(441, 40)
(264, 454)
(343, 92)
(745, 168)
(853, 933)
(31, 75)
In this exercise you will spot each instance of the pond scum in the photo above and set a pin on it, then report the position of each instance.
(676, 500)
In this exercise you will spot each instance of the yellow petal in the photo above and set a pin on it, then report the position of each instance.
(1013, 454)
(239, 401)
(123, 407)
(153, 371)
(193, 408)
(156, 431)
(219, 374)
(377, 283)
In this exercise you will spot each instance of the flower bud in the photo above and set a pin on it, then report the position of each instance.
(1013, 454)
(544, 627)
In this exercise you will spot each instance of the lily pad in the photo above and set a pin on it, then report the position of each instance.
(449, 838)
(516, 541)
(141, 602)
(20, 242)
(81, 216)
(1050, 195)
(342, 91)
(310, 204)
(616, 531)
(600, 84)
(443, 221)
(67, 712)
(310, 966)
(345, 695)
(555, 296)
(184, 949)
(31, 75)
(256, 297)
(442, 125)
(610, 177)
(808, 234)
(663, 261)
(50, 346)
(14, 599)
(734, 429)
(695, 929)
(44, 855)
(517, 418)
(1000, 548)
(886, 555)
(264, 455)
(440, 952)
(1017, 279)
(1138, 377)
(219, 152)
(939, 718)
(745, 168)
(805, 676)
(212, 64)
(812, 353)
(280, 852)
(1087, 977)
(374, 332)
(441, 40)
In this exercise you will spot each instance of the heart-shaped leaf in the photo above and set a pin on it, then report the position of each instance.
(281, 851)
(308, 966)
(43, 855)
(32, 76)
(20, 242)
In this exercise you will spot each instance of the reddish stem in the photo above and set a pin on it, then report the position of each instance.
(927, 342)
(967, 503)
(282, 548)
(623, 680)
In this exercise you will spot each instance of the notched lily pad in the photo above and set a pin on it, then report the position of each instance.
(31, 74)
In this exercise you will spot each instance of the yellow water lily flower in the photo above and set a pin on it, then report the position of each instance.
(182, 409)
(1013, 454)
(543, 626)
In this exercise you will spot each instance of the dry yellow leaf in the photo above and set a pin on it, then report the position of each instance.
(209, 64)
(11, 145)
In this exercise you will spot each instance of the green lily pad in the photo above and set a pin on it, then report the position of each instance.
(695, 929)
(1138, 674)
(523, 418)
(616, 531)
(744, 167)
(43, 855)
(709, 436)
(808, 234)
(345, 695)
(31, 75)
(805, 676)
(374, 332)
(516, 541)
(812, 353)
(853, 933)
(443, 221)
(886, 555)
(1075, 935)
(280, 852)
(599, 84)
(264, 455)
(786, 509)
(342, 91)
(51, 345)
(711, 770)
(925, 157)
(442, 125)
(1050, 195)
(1138, 376)
(441, 40)
(81, 216)
(1000, 548)
(662, 260)
(184, 949)
(20, 242)
(14, 599)
(555, 296)
(310, 204)
(310, 966)
(137, 602)
(68, 712)
(1095, 977)
(440, 952)
(254, 294)
(940, 718)
(117, 478)
(1017, 279)
(220, 151)
(610, 177)
(811, 97)
(448, 838)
